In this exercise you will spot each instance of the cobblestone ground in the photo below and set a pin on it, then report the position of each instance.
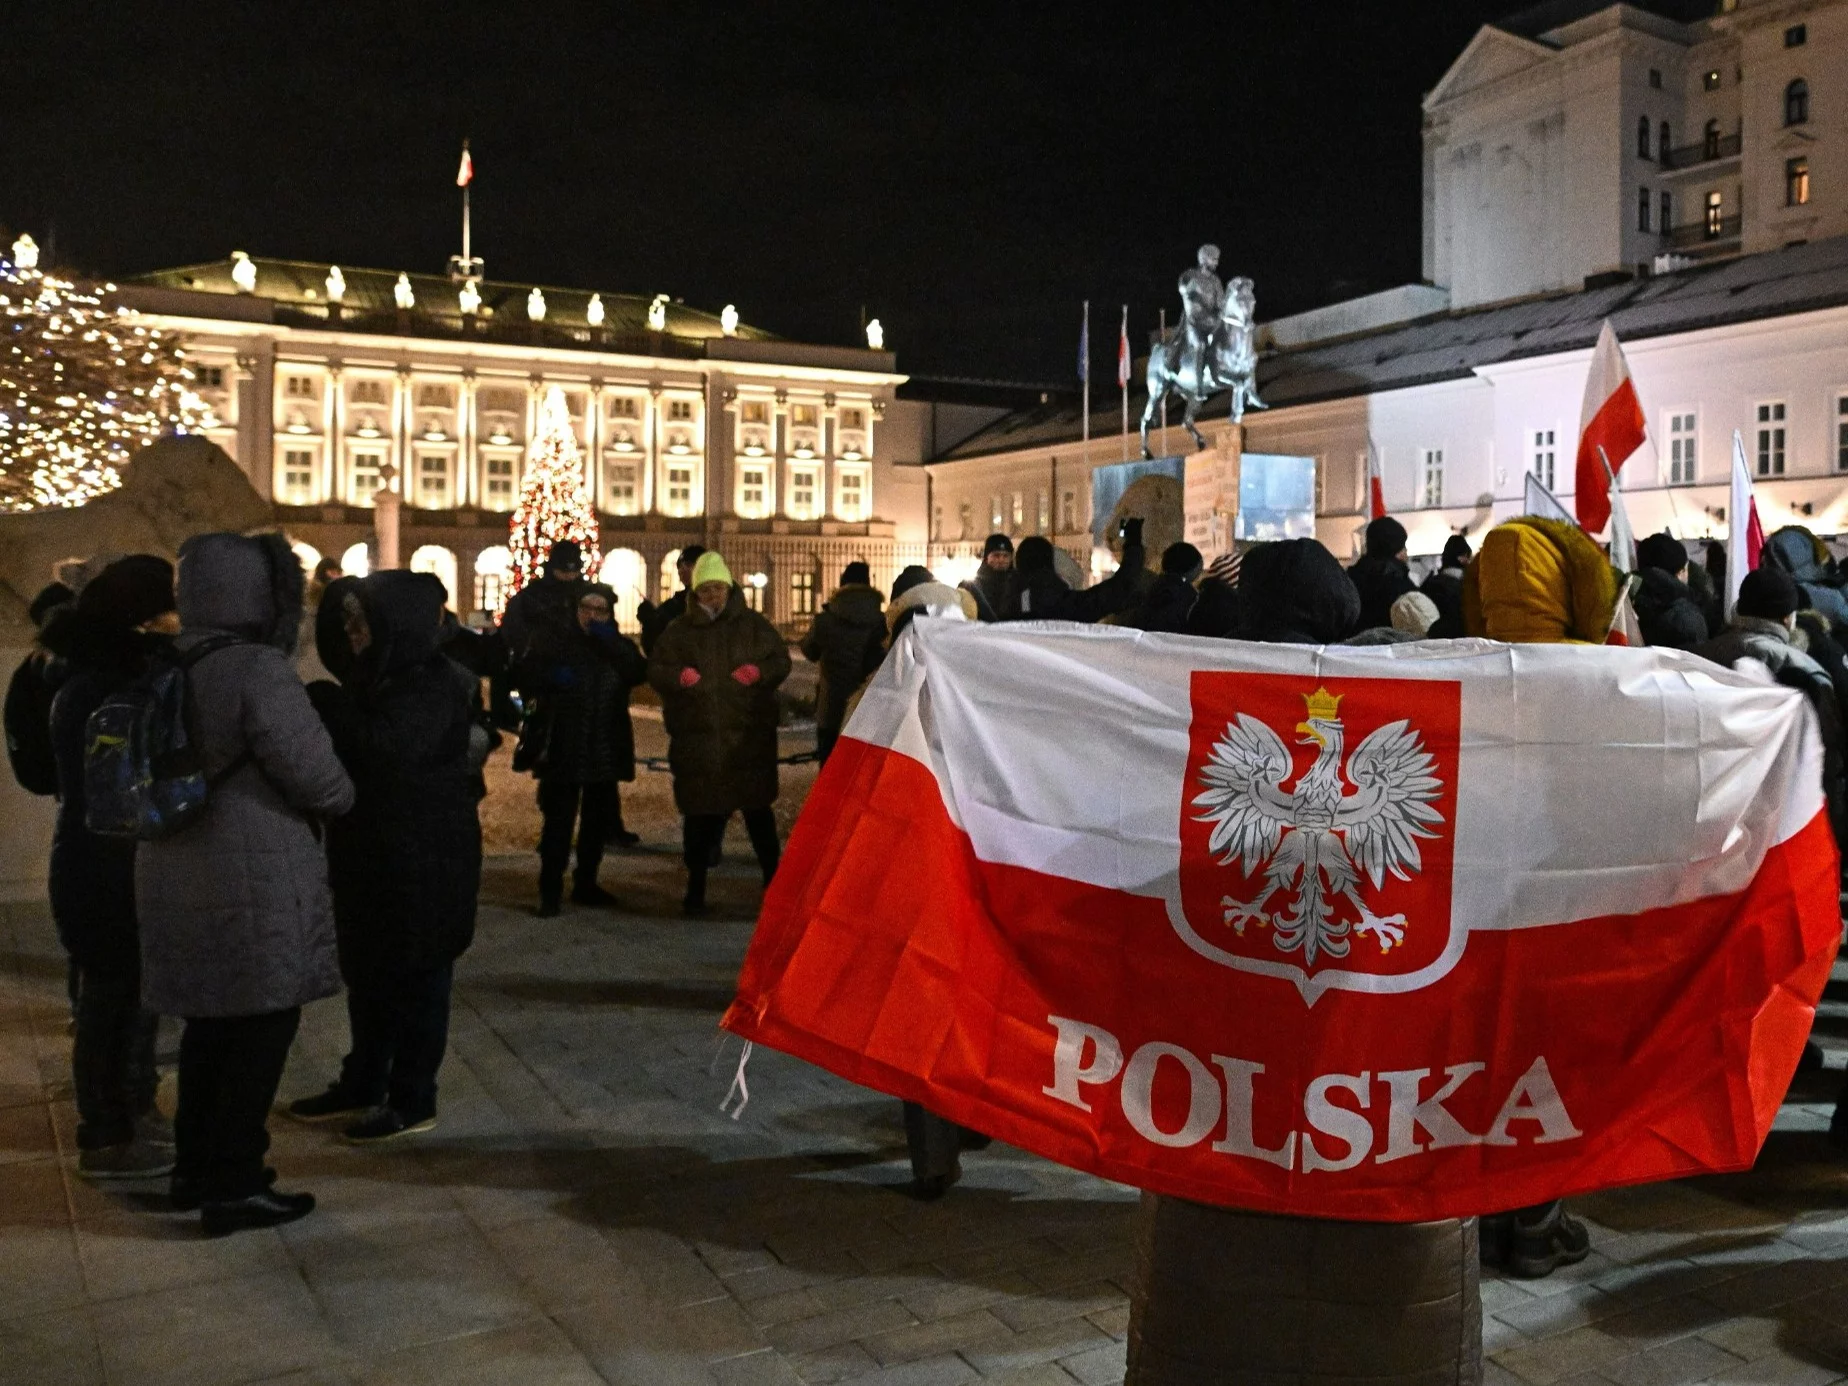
(584, 1212)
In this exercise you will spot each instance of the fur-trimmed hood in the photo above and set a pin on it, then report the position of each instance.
(248, 585)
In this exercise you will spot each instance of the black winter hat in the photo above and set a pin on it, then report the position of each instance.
(1293, 592)
(856, 572)
(1033, 555)
(565, 554)
(997, 543)
(129, 592)
(1769, 594)
(1385, 537)
(914, 576)
(1457, 552)
(1182, 559)
(690, 555)
(1662, 551)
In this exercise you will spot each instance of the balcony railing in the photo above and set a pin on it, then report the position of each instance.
(1706, 152)
(1706, 232)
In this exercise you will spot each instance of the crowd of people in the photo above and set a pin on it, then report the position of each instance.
(338, 730)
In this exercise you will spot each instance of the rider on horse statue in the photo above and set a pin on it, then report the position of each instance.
(1203, 299)
(1215, 349)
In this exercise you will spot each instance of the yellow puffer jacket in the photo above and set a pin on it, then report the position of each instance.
(1539, 582)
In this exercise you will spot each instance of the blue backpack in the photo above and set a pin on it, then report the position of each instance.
(142, 776)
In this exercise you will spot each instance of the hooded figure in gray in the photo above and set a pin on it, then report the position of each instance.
(236, 918)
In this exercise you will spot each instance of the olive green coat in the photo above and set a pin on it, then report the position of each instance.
(721, 734)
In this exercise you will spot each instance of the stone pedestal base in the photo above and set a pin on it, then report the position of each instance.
(1211, 485)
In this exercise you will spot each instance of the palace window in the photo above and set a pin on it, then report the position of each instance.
(802, 594)
(1018, 509)
(754, 411)
(1433, 476)
(1667, 206)
(1771, 439)
(1841, 433)
(209, 377)
(965, 515)
(1796, 103)
(1644, 203)
(433, 480)
(1682, 454)
(363, 477)
(1655, 78)
(754, 491)
(1716, 215)
(803, 415)
(368, 392)
(497, 488)
(804, 483)
(1710, 140)
(1662, 150)
(624, 407)
(1796, 182)
(1642, 137)
(1541, 456)
(1068, 512)
(853, 418)
(299, 387)
(850, 494)
(679, 490)
(1043, 520)
(298, 476)
(936, 523)
(680, 410)
(436, 397)
(995, 517)
(622, 488)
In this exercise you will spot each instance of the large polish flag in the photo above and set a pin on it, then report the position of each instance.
(1385, 933)
(1612, 420)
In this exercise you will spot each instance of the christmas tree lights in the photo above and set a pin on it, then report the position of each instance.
(553, 504)
(82, 387)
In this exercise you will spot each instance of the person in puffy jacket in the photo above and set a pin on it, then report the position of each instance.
(847, 640)
(717, 669)
(1808, 562)
(105, 640)
(1539, 581)
(237, 926)
(405, 863)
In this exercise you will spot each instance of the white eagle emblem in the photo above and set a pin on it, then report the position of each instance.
(1316, 839)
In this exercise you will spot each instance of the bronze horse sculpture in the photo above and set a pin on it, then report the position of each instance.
(1229, 362)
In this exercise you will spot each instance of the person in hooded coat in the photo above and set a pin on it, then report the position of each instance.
(1040, 594)
(1170, 600)
(993, 583)
(1293, 592)
(545, 604)
(1445, 588)
(106, 640)
(847, 640)
(237, 927)
(1380, 575)
(717, 670)
(405, 863)
(1808, 562)
(1666, 607)
(1540, 581)
(580, 742)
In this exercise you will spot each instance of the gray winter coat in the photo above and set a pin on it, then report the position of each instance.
(236, 918)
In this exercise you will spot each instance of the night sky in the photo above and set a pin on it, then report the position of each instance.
(967, 178)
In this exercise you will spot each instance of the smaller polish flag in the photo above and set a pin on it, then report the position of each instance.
(1745, 535)
(1123, 351)
(1612, 419)
(466, 173)
(1376, 485)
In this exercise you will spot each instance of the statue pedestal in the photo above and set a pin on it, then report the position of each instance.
(1210, 486)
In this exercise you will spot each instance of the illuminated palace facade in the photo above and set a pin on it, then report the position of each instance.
(330, 383)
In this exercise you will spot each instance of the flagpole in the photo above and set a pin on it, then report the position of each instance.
(1087, 382)
(1123, 381)
(466, 259)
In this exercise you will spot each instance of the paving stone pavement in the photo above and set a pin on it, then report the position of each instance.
(584, 1213)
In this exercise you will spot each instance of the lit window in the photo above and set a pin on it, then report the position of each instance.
(802, 594)
(680, 410)
(1433, 472)
(1796, 36)
(1841, 434)
(1771, 439)
(1710, 140)
(965, 514)
(850, 496)
(1681, 449)
(363, 482)
(995, 518)
(622, 492)
(803, 415)
(1716, 215)
(754, 411)
(1541, 457)
(498, 490)
(1796, 103)
(1710, 80)
(679, 490)
(1644, 204)
(432, 480)
(1796, 182)
(753, 492)
(853, 418)
(369, 392)
(803, 484)
(298, 387)
(1018, 508)
(297, 476)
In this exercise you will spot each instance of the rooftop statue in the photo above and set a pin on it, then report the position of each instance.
(1213, 349)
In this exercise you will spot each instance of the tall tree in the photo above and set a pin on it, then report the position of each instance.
(83, 386)
(553, 502)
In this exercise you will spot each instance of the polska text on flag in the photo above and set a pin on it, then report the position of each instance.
(1384, 933)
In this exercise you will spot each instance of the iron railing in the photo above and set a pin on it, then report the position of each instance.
(1705, 232)
(1708, 150)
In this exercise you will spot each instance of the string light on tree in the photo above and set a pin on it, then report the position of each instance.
(553, 503)
(82, 387)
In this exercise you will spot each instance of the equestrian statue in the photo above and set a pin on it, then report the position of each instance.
(1214, 348)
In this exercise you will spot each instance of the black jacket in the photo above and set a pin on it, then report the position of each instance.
(92, 878)
(847, 641)
(1667, 610)
(1166, 606)
(1293, 592)
(656, 619)
(1041, 595)
(545, 605)
(405, 864)
(1380, 582)
(579, 684)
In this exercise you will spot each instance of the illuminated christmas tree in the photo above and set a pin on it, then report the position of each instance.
(82, 387)
(553, 504)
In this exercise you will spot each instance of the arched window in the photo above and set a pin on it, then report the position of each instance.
(308, 554)
(493, 568)
(1710, 140)
(625, 572)
(1662, 143)
(1642, 137)
(670, 575)
(440, 563)
(1796, 103)
(357, 560)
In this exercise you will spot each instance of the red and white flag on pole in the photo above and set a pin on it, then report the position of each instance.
(1745, 534)
(1611, 419)
(465, 173)
(1353, 933)
(1123, 351)
(1376, 484)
